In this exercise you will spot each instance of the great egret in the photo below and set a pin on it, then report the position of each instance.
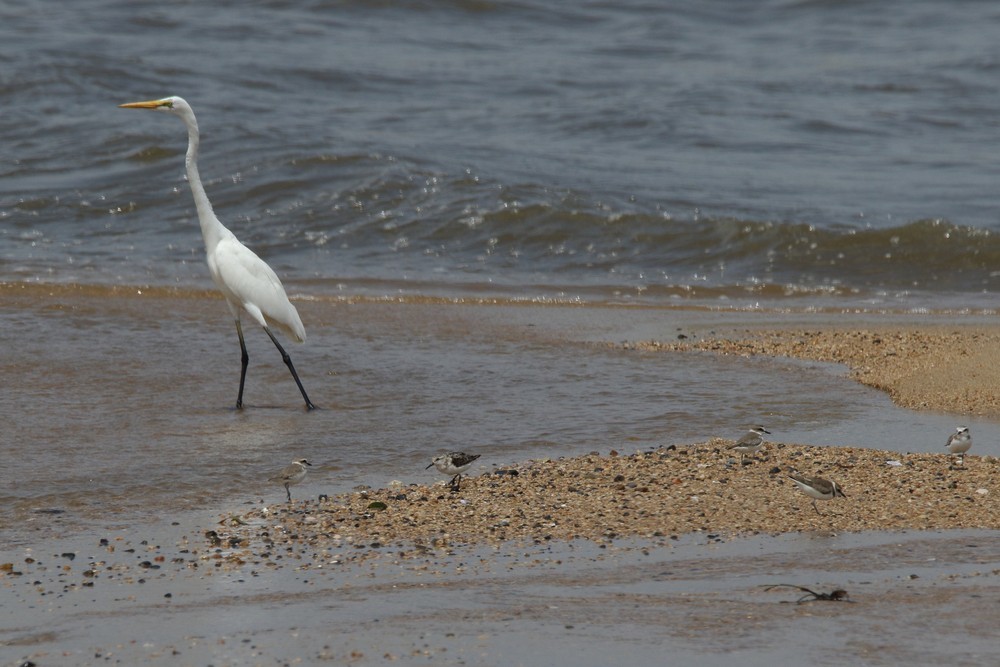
(247, 282)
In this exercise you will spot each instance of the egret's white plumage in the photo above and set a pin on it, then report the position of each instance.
(248, 283)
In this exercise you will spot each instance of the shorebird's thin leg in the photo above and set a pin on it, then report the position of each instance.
(288, 491)
(288, 362)
(816, 508)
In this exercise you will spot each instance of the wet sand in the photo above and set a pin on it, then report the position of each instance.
(569, 561)
(947, 368)
(703, 488)
(703, 598)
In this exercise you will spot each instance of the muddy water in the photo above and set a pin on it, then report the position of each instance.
(119, 425)
(117, 404)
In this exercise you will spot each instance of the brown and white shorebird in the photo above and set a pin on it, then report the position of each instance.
(960, 442)
(750, 443)
(453, 463)
(291, 475)
(817, 488)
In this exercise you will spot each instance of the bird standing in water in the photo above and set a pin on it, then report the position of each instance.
(248, 283)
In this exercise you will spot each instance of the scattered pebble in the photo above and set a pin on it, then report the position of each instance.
(602, 498)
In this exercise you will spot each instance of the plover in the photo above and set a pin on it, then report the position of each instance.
(291, 475)
(453, 463)
(750, 443)
(817, 488)
(960, 442)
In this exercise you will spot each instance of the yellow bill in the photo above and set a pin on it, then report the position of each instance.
(149, 104)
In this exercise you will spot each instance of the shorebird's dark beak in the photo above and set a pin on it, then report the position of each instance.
(429, 465)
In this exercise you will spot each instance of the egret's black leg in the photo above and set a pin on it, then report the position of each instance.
(288, 362)
(245, 360)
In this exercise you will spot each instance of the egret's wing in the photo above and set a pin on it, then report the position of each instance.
(247, 280)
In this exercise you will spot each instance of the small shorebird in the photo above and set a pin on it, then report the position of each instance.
(750, 443)
(817, 488)
(453, 463)
(291, 475)
(960, 442)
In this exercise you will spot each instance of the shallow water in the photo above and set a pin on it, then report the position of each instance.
(121, 403)
(711, 167)
(718, 166)
(821, 153)
(697, 598)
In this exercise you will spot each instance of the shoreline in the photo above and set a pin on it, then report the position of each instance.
(920, 367)
(658, 494)
(675, 539)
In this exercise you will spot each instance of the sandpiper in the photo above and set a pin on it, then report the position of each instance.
(291, 475)
(960, 442)
(453, 463)
(817, 488)
(750, 443)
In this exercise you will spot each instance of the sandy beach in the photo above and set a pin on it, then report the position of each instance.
(591, 243)
(657, 494)
(945, 368)
(530, 559)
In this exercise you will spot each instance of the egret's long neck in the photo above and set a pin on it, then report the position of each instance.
(211, 229)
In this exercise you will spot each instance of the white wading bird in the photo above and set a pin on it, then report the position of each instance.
(248, 283)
